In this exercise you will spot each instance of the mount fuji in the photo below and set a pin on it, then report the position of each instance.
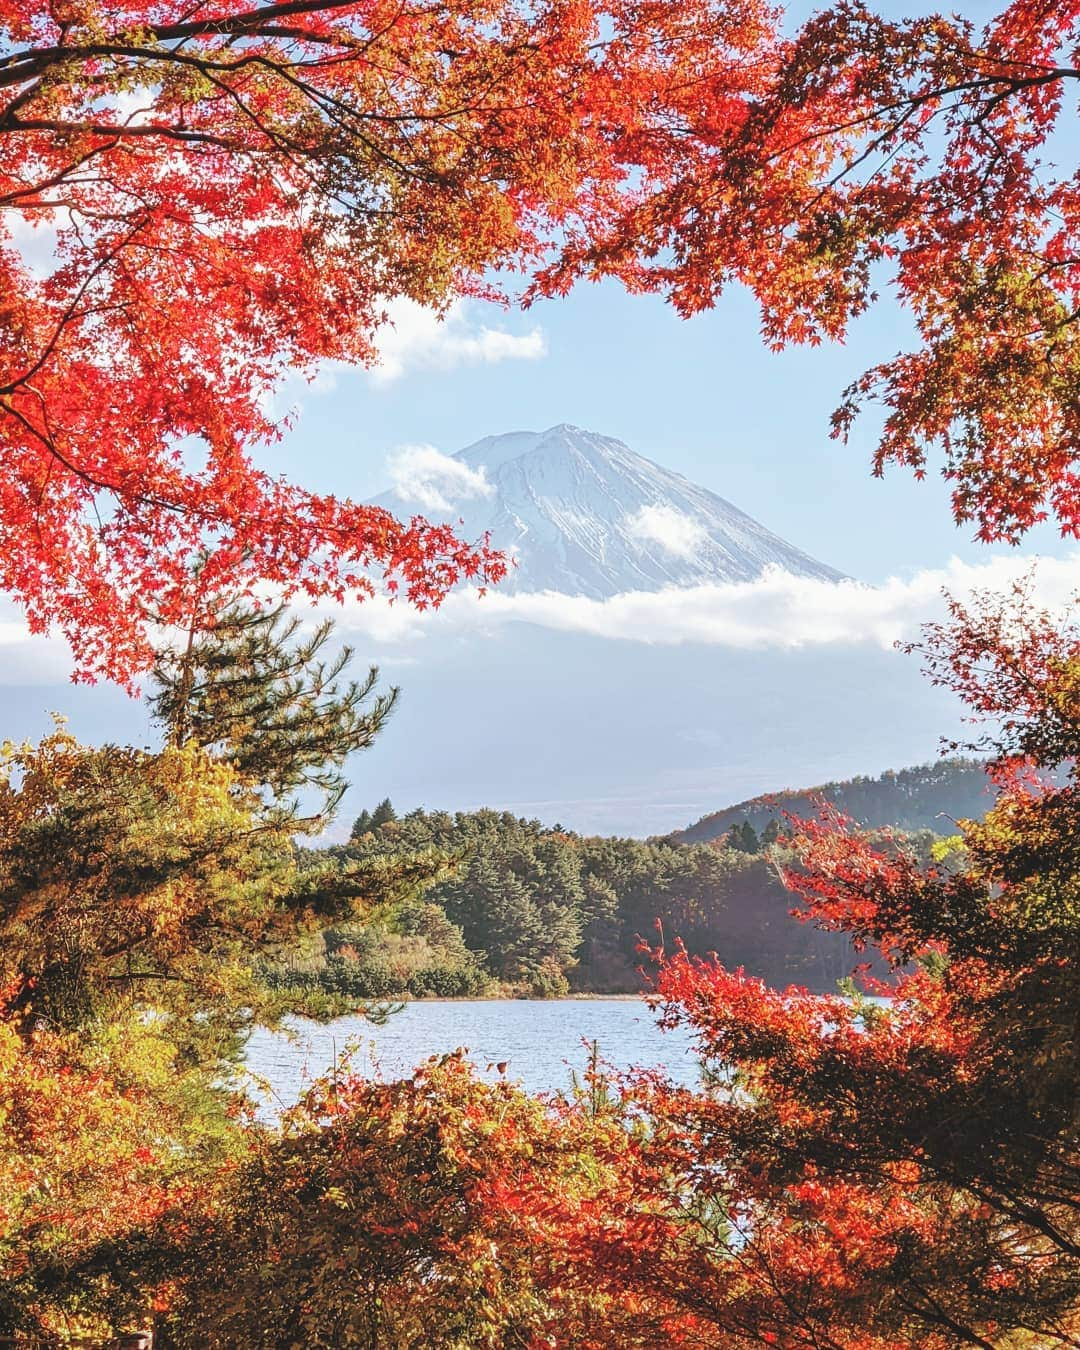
(584, 514)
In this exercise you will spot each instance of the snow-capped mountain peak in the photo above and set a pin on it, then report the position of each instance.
(586, 515)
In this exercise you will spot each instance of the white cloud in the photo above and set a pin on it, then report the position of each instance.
(675, 532)
(417, 338)
(414, 339)
(33, 236)
(423, 474)
(29, 658)
(776, 611)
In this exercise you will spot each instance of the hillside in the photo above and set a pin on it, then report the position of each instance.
(927, 797)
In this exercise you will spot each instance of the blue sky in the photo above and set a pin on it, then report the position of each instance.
(702, 396)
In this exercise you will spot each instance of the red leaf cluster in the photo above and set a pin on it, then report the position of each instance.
(234, 192)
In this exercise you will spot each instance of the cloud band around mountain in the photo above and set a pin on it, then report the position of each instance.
(778, 610)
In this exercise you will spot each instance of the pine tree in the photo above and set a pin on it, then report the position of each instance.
(269, 700)
(743, 838)
(384, 814)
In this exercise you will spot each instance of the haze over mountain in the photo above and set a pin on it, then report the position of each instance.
(585, 515)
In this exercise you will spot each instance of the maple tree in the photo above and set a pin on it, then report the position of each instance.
(928, 155)
(238, 191)
(907, 1172)
(103, 1132)
(420, 1212)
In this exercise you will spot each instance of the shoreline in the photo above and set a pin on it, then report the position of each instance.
(514, 998)
(405, 1001)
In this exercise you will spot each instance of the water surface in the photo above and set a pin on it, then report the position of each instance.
(539, 1042)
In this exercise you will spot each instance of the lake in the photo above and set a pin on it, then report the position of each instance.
(539, 1041)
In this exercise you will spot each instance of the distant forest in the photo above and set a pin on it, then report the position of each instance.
(516, 907)
(928, 797)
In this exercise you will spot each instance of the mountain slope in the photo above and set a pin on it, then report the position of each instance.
(585, 515)
(930, 797)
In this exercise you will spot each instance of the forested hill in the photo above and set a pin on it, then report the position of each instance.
(514, 907)
(922, 798)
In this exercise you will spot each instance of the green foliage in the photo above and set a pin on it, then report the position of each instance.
(592, 1088)
(744, 837)
(383, 814)
(544, 911)
(415, 953)
(516, 893)
(264, 697)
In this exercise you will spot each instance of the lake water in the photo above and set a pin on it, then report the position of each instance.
(540, 1042)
